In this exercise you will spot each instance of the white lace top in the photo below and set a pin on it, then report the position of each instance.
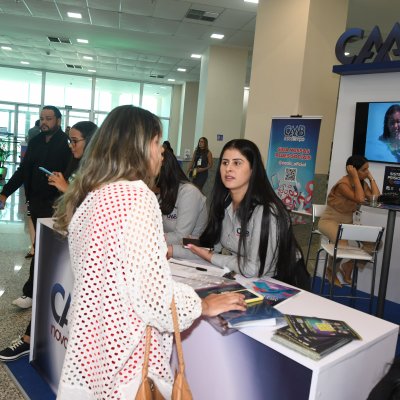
(122, 283)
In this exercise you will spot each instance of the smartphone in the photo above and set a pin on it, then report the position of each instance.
(46, 171)
(250, 297)
(196, 242)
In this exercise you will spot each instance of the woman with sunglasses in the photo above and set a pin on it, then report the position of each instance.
(79, 137)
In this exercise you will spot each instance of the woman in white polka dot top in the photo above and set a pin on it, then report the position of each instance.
(118, 256)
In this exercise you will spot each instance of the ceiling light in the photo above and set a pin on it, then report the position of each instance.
(74, 15)
(171, 80)
(87, 57)
(91, 70)
(217, 36)
(246, 88)
(17, 268)
(196, 56)
(251, 1)
(6, 47)
(84, 41)
(181, 69)
(25, 62)
(346, 53)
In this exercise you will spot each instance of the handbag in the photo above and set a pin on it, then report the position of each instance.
(180, 389)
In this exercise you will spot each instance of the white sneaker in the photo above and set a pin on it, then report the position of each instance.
(23, 302)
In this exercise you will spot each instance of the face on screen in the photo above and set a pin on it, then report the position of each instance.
(394, 125)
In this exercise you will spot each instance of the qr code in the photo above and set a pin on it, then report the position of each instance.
(290, 174)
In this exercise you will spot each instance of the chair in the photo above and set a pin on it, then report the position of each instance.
(358, 233)
(317, 210)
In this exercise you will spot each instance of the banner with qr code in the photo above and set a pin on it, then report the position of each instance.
(291, 160)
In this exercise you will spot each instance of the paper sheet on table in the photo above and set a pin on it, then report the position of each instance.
(197, 275)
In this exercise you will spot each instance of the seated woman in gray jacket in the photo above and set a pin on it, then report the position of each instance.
(249, 227)
(183, 206)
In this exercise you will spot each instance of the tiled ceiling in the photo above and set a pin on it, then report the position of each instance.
(128, 39)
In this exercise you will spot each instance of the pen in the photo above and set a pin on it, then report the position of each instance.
(201, 269)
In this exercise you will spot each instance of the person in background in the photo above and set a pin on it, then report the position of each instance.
(167, 146)
(201, 162)
(343, 200)
(122, 280)
(32, 132)
(183, 206)
(391, 130)
(249, 227)
(49, 150)
(79, 137)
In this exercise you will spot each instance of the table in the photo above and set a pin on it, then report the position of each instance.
(387, 253)
(244, 365)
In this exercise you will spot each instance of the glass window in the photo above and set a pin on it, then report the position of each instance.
(27, 116)
(71, 90)
(76, 116)
(99, 118)
(157, 99)
(110, 94)
(20, 85)
(165, 125)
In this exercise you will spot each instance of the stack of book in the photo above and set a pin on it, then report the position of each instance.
(314, 337)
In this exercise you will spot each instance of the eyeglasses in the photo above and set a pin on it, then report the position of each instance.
(73, 142)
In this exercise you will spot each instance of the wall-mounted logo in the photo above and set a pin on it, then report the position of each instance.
(376, 54)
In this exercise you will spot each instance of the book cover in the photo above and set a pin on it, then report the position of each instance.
(312, 347)
(262, 313)
(391, 180)
(314, 326)
(275, 292)
(250, 296)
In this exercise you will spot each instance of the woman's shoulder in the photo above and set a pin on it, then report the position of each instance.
(189, 189)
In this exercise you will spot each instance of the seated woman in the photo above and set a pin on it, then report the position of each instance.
(79, 137)
(249, 227)
(343, 200)
(183, 206)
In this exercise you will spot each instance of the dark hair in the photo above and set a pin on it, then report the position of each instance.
(357, 161)
(87, 129)
(205, 150)
(56, 111)
(171, 175)
(259, 192)
(167, 146)
(389, 112)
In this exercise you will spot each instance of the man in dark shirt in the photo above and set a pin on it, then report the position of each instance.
(50, 150)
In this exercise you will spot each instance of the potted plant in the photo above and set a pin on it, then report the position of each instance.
(4, 154)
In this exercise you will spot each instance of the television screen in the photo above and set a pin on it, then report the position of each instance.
(377, 131)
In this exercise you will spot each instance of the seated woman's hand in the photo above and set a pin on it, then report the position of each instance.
(215, 304)
(202, 252)
(57, 179)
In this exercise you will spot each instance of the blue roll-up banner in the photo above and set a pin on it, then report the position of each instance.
(291, 160)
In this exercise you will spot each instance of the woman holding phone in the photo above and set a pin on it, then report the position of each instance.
(79, 137)
(249, 227)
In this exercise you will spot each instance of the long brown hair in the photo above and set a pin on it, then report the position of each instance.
(119, 150)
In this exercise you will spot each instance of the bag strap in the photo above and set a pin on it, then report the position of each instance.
(145, 367)
(177, 336)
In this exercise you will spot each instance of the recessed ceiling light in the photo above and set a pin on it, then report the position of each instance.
(91, 70)
(74, 15)
(251, 1)
(217, 36)
(171, 80)
(25, 62)
(346, 53)
(85, 41)
(181, 69)
(6, 47)
(246, 88)
(87, 57)
(196, 56)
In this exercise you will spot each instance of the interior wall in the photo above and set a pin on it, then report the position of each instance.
(362, 88)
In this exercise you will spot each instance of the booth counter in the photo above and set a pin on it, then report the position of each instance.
(245, 364)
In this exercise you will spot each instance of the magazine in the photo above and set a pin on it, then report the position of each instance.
(273, 291)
